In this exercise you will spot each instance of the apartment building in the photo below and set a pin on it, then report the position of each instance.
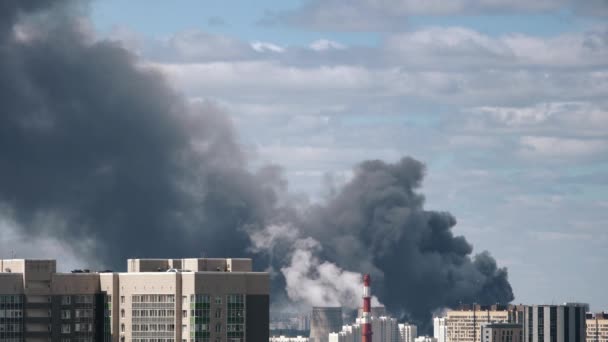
(464, 324)
(157, 300)
(39, 304)
(555, 323)
(440, 329)
(407, 332)
(501, 332)
(597, 327)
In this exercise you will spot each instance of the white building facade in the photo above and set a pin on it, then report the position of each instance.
(440, 329)
(407, 332)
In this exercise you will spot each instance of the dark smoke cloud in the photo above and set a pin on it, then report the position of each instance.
(87, 134)
(376, 224)
(90, 136)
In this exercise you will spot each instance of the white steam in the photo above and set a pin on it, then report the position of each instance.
(310, 280)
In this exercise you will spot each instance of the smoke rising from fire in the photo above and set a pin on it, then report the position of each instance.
(89, 136)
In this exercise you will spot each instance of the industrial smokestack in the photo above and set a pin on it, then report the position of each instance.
(323, 321)
(366, 323)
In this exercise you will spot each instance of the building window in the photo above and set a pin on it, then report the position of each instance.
(66, 300)
(235, 316)
(65, 328)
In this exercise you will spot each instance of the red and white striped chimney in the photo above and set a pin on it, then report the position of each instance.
(366, 315)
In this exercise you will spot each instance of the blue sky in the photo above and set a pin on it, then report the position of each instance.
(505, 101)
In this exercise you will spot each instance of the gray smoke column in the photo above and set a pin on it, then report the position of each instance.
(377, 224)
(98, 153)
(102, 145)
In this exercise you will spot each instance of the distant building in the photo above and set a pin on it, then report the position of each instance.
(384, 330)
(440, 329)
(555, 323)
(288, 339)
(166, 300)
(425, 339)
(464, 324)
(407, 332)
(501, 332)
(349, 333)
(597, 327)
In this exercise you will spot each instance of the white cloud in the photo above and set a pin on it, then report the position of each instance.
(581, 118)
(266, 47)
(562, 148)
(325, 44)
(449, 47)
(382, 15)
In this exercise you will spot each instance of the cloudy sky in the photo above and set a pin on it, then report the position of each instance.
(505, 101)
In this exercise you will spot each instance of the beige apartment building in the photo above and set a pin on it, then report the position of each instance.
(501, 332)
(157, 300)
(464, 324)
(597, 327)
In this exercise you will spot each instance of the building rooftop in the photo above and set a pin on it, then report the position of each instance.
(49, 266)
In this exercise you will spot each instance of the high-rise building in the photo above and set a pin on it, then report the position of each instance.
(407, 332)
(440, 329)
(39, 304)
(157, 300)
(501, 332)
(464, 324)
(597, 327)
(554, 323)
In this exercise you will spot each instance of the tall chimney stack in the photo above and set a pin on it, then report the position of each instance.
(366, 319)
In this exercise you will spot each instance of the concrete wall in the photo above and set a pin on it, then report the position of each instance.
(11, 283)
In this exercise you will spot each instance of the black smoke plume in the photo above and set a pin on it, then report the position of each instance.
(98, 142)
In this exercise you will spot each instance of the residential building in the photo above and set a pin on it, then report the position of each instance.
(440, 329)
(464, 324)
(39, 304)
(555, 323)
(407, 332)
(597, 327)
(157, 300)
(501, 332)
